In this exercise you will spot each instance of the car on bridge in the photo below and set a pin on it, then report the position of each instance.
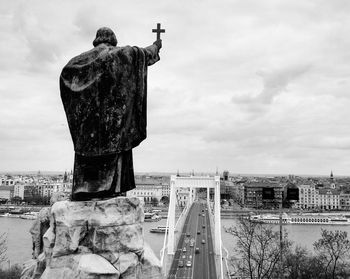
(181, 264)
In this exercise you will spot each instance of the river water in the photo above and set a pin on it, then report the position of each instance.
(19, 239)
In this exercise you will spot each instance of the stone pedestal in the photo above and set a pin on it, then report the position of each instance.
(98, 239)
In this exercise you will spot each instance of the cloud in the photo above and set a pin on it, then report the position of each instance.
(85, 23)
(275, 82)
(252, 86)
(41, 40)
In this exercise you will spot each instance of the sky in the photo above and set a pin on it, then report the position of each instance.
(248, 86)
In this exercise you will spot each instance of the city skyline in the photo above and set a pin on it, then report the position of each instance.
(252, 87)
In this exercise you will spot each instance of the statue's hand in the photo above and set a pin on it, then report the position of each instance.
(158, 43)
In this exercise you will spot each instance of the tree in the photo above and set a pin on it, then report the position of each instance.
(154, 201)
(16, 200)
(258, 249)
(301, 264)
(3, 247)
(12, 273)
(333, 249)
(3, 201)
(165, 200)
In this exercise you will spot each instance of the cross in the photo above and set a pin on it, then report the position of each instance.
(158, 31)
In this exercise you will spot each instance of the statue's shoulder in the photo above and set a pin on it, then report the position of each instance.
(126, 50)
(100, 54)
(89, 56)
(123, 54)
(119, 50)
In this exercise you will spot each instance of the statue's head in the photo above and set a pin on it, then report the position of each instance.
(105, 35)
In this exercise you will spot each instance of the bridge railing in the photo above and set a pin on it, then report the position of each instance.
(162, 251)
(218, 257)
(178, 227)
(226, 259)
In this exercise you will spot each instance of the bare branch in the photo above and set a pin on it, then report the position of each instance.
(3, 247)
(259, 248)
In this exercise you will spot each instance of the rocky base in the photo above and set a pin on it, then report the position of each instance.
(98, 239)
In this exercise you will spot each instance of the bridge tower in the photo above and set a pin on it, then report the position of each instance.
(192, 183)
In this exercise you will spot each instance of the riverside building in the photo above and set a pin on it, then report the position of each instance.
(308, 197)
(147, 190)
(254, 194)
(311, 197)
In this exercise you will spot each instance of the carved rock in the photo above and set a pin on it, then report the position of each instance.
(98, 239)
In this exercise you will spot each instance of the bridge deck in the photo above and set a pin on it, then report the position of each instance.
(196, 234)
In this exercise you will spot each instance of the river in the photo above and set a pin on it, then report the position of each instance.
(20, 245)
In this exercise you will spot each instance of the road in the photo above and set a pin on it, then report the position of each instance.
(196, 234)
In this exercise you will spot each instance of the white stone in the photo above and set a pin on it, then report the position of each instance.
(95, 264)
(98, 240)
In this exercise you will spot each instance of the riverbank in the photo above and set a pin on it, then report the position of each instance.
(226, 212)
(20, 209)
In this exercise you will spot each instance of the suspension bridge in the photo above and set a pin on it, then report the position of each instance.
(192, 244)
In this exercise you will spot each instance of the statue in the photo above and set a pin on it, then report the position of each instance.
(104, 94)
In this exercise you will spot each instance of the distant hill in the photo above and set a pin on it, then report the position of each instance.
(155, 173)
(50, 173)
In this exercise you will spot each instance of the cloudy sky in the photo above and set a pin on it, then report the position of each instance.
(248, 86)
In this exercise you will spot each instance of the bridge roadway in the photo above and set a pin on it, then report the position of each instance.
(196, 234)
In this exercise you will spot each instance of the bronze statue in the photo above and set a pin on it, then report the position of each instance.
(104, 94)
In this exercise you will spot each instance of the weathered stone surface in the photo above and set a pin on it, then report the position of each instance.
(95, 264)
(33, 268)
(42, 223)
(89, 266)
(98, 239)
(107, 225)
(151, 264)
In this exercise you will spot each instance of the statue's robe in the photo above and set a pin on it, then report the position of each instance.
(104, 94)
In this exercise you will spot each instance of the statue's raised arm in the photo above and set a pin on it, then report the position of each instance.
(104, 92)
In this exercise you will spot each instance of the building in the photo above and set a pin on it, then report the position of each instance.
(18, 190)
(165, 190)
(263, 194)
(46, 190)
(6, 192)
(65, 187)
(344, 201)
(227, 189)
(183, 195)
(147, 189)
(313, 197)
(308, 197)
(31, 192)
(8, 182)
(329, 199)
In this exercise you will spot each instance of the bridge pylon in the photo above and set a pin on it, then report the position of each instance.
(178, 184)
